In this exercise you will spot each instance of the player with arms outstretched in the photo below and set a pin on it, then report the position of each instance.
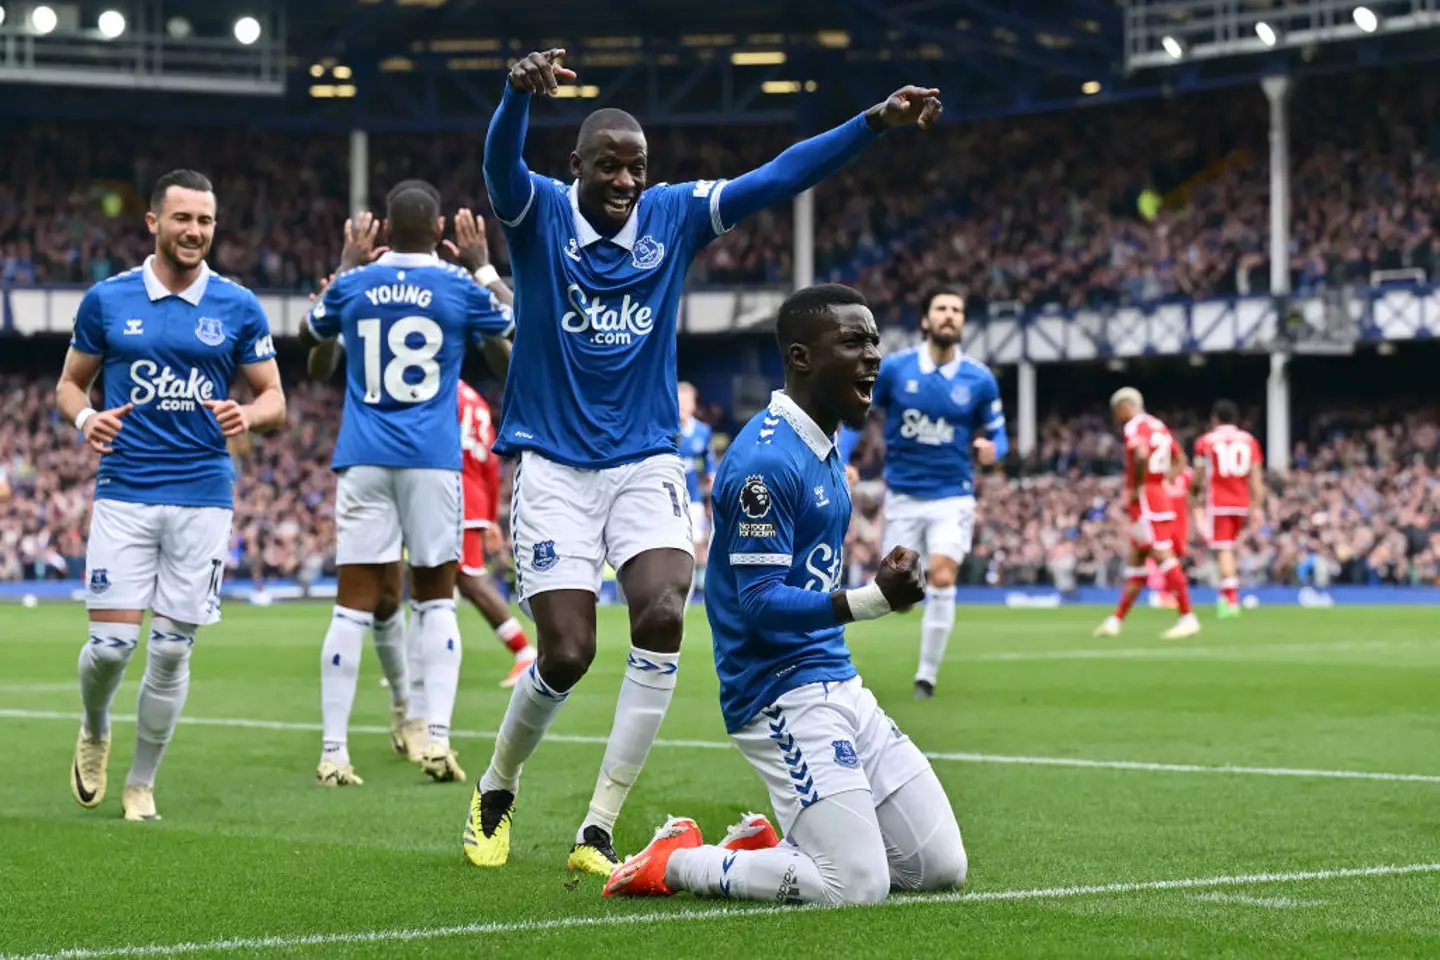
(861, 808)
(592, 419)
(1230, 465)
(698, 451)
(1149, 452)
(170, 336)
(407, 318)
(942, 417)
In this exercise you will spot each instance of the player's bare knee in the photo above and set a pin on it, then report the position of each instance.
(658, 622)
(942, 576)
(562, 664)
(392, 589)
(433, 583)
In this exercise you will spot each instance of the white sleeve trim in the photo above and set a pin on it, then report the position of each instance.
(524, 210)
(761, 559)
(995, 424)
(716, 223)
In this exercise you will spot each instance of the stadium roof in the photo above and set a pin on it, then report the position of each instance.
(436, 64)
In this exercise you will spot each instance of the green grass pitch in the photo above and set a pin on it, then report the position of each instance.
(1118, 798)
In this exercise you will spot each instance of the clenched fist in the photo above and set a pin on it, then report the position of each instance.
(900, 580)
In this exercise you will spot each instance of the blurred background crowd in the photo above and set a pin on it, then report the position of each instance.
(1360, 506)
(1115, 205)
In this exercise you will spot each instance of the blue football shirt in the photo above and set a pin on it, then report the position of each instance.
(781, 508)
(698, 454)
(932, 415)
(406, 320)
(167, 353)
(593, 382)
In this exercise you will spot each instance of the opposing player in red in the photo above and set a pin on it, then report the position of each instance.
(481, 478)
(1229, 463)
(1177, 488)
(1149, 451)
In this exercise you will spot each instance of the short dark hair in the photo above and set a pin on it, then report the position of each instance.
(411, 210)
(941, 291)
(184, 179)
(798, 321)
(1226, 411)
(604, 120)
(413, 184)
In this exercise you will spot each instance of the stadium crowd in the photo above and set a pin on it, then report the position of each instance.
(1037, 211)
(1362, 504)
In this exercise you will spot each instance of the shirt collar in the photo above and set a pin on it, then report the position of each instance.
(156, 290)
(587, 234)
(927, 362)
(808, 430)
(408, 260)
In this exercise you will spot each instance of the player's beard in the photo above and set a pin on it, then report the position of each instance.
(944, 339)
(183, 259)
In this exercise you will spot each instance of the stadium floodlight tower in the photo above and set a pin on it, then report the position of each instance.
(144, 45)
(1176, 33)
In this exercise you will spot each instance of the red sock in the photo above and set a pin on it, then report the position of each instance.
(1175, 580)
(1230, 590)
(512, 635)
(1127, 598)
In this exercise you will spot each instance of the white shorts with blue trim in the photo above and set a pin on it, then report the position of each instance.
(167, 559)
(827, 738)
(944, 527)
(380, 510)
(566, 524)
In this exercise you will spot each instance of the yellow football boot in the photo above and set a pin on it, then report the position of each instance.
(593, 853)
(487, 830)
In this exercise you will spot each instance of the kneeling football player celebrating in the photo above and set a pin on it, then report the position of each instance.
(862, 810)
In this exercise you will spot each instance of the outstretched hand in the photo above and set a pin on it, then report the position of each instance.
(539, 73)
(918, 105)
(360, 236)
(469, 248)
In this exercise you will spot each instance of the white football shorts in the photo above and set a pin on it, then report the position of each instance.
(930, 527)
(167, 559)
(379, 509)
(826, 738)
(567, 523)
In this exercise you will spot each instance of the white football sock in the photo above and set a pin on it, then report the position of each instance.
(834, 855)
(415, 659)
(534, 704)
(645, 694)
(440, 644)
(935, 627)
(162, 695)
(102, 667)
(390, 650)
(339, 674)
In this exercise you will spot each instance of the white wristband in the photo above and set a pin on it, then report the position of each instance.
(867, 603)
(82, 416)
(487, 275)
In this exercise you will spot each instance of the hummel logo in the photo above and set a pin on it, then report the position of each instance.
(134, 326)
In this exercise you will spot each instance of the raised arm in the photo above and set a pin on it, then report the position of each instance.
(506, 176)
(810, 161)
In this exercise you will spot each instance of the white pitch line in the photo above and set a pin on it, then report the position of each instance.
(1274, 903)
(644, 919)
(942, 756)
(1188, 653)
